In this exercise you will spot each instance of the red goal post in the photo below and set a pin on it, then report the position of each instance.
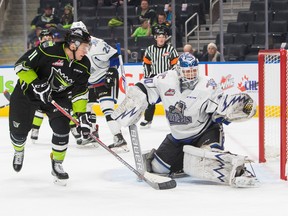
(273, 101)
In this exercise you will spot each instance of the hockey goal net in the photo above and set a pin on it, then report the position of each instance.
(273, 99)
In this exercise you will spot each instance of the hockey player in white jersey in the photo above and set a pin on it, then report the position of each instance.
(104, 87)
(196, 109)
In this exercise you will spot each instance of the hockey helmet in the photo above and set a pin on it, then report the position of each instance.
(79, 24)
(160, 30)
(77, 36)
(188, 66)
(45, 32)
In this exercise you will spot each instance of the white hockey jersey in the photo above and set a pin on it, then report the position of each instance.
(99, 55)
(188, 113)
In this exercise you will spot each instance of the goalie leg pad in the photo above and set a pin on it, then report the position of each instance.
(130, 110)
(221, 167)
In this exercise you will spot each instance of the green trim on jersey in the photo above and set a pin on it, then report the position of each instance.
(79, 106)
(27, 76)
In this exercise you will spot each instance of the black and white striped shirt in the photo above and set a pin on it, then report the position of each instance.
(157, 60)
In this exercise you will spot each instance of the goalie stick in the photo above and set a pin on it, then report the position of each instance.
(157, 182)
(137, 153)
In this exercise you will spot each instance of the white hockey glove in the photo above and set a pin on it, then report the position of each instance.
(42, 90)
(130, 110)
(237, 107)
(85, 125)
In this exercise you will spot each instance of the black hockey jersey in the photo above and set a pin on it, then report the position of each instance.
(50, 62)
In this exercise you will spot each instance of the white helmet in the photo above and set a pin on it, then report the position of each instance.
(188, 66)
(79, 25)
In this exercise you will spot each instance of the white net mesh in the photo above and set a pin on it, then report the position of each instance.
(272, 105)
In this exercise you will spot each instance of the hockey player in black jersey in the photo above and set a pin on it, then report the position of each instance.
(50, 72)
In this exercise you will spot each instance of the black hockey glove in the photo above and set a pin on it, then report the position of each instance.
(111, 74)
(85, 125)
(42, 90)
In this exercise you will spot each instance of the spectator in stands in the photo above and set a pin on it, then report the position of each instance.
(146, 12)
(168, 13)
(143, 30)
(212, 54)
(161, 21)
(33, 38)
(46, 20)
(188, 48)
(68, 17)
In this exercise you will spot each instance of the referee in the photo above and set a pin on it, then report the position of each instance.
(158, 58)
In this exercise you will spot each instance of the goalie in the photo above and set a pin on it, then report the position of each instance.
(195, 109)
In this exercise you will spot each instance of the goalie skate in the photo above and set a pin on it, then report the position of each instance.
(245, 180)
(120, 144)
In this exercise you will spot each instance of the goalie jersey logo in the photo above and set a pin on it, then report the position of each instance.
(175, 114)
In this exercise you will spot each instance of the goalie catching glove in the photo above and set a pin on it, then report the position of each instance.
(42, 90)
(237, 107)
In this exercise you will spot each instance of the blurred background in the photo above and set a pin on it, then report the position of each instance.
(237, 28)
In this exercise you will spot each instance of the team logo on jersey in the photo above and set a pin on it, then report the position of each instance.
(170, 92)
(60, 81)
(59, 63)
(175, 114)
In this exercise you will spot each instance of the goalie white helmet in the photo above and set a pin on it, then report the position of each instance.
(188, 66)
(188, 71)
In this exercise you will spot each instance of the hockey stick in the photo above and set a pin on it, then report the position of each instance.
(7, 96)
(96, 85)
(157, 182)
(121, 67)
(137, 153)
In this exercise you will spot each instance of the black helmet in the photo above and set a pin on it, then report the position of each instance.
(45, 32)
(160, 30)
(77, 36)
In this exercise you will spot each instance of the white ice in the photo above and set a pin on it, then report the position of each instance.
(100, 185)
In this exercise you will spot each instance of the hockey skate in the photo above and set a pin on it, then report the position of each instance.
(147, 159)
(60, 176)
(244, 179)
(90, 140)
(18, 160)
(145, 124)
(34, 135)
(120, 144)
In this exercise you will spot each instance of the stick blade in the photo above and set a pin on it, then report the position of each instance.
(159, 182)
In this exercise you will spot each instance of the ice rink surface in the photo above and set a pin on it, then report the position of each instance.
(100, 185)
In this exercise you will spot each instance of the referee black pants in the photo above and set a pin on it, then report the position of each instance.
(149, 113)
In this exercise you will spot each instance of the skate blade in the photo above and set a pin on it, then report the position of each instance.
(60, 182)
(88, 145)
(121, 149)
(33, 141)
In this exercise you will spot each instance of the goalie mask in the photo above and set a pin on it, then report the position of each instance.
(188, 70)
